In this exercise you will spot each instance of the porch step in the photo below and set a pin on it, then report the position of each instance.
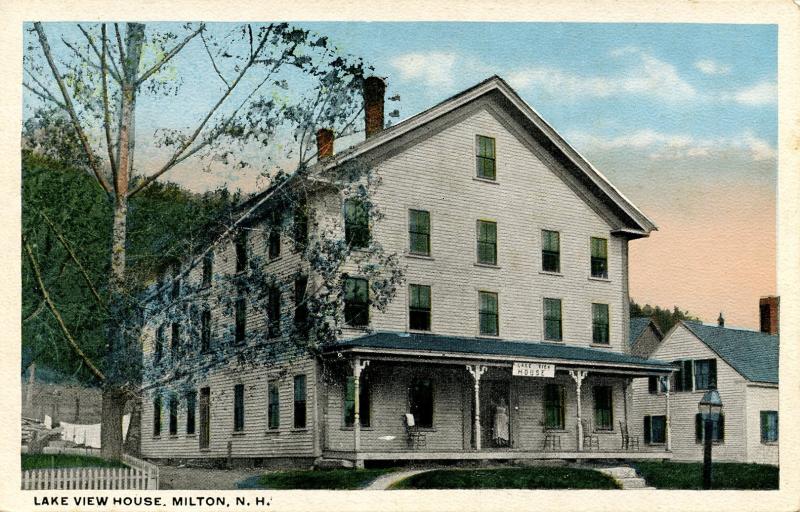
(626, 477)
(322, 463)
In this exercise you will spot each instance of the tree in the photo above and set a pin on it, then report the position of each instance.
(275, 83)
(664, 318)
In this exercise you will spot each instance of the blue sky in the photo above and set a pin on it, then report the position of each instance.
(682, 118)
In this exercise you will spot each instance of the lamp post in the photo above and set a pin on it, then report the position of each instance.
(710, 405)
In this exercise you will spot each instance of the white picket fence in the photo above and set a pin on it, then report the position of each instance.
(138, 475)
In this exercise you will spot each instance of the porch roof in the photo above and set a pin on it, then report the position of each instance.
(441, 345)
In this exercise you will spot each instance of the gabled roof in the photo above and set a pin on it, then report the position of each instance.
(437, 345)
(635, 223)
(638, 326)
(751, 353)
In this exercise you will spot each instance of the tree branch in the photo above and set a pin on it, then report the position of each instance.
(70, 340)
(115, 71)
(106, 113)
(71, 109)
(44, 95)
(121, 47)
(153, 70)
(214, 64)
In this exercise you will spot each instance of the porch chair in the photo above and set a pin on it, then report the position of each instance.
(629, 442)
(552, 439)
(590, 440)
(414, 437)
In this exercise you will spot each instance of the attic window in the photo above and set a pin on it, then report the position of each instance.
(485, 157)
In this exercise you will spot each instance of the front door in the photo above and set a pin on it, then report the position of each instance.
(495, 413)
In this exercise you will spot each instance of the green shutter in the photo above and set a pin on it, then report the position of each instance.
(647, 438)
(712, 372)
(698, 427)
(721, 428)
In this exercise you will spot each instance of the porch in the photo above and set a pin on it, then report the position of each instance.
(402, 397)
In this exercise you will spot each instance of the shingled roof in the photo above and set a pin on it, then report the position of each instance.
(438, 344)
(638, 325)
(751, 353)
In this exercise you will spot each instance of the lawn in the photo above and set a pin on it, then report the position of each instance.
(45, 461)
(724, 475)
(508, 478)
(321, 479)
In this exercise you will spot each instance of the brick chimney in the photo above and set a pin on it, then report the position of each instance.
(374, 89)
(324, 143)
(721, 320)
(769, 311)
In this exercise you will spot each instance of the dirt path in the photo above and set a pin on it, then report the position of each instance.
(383, 482)
(171, 477)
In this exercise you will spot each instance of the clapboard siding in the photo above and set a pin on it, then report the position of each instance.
(256, 440)
(761, 398)
(437, 174)
(682, 344)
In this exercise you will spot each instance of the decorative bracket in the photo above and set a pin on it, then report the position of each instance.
(359, 366)
(476, 371)
(578, 376)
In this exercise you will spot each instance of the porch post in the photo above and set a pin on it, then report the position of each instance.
(666, 419)
(476, 371)
(358, 367)
(578, 376)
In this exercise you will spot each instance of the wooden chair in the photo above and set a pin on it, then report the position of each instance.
(552, 439)
(590, 440)
(628, 442)
(414, 437)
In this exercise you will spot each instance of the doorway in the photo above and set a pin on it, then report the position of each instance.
(495, 398)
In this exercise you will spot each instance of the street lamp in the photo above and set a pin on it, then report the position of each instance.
(710, 406)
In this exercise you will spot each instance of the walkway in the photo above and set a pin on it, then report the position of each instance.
(383, 482)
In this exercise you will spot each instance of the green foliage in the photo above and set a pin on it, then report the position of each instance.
(45, 461)
(725, 475)
(664, 318)
(508, 478)
(321, 479)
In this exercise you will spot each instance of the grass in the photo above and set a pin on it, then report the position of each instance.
(724, 475)
(45, 461)
(321, 479)
(508, 478)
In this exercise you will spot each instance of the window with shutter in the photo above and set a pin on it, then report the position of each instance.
(157, 416)
(554, 406)
(646, 430)
(191, 407)
(603, 408)
(274, 312)
(240, 244)
(238, 408)
(273, 406)
(705, 373)
(717, 430)
(173, 415)
(300, 401)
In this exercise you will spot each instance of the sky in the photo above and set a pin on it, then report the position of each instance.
(682, 118)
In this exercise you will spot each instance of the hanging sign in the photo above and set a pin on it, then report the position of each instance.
(533, 370)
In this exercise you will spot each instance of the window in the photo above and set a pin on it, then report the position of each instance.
(652, 385)
(705, 373)
(208, 268)
(274, 241)
(238, 408)
(655, 429)
(241, 251)
(274, 312)
(551, 251)
(191, 406)
(419, 232)
(300, 305)
(205, 331)
(299, 401)
(487, 242)
(420, 402)
(157, 416)
(356, 223)
(554, 406)
(684, 376)
(350, 402)
(173, 415)
(158, 351)
(175, 292)
(300, 227)
(552, 320)
(489, 317)
(485, 157)
(600, 324)
(205, 417)
(603, 408)
(273, 406)
(356, 302)
(717, 424)
(600, 258)
(175, 343)
(240, 319)
(769, 426)
(419, 307)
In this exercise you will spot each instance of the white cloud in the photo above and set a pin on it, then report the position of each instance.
(432, 68)
(763, 93)
(711, 67)
(670, 146)
(645, 76)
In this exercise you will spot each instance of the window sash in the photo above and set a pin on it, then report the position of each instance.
(299, 401)
(238, 407)
(208, 268)
(241, 251)
(705, 373)
(175, 342)
(273, 406)
(603, 408)
(421, 403)
(157, 416)
(173, 416)
(769, 426)
(489, 315)
(485, 158)
(300, 226)
(655, 429)
(240, 320)
(300, 305)
(600, 327)
(419, 307)
(159, 344)
(419, 232)
(554, 406)
(356, 223)
(205, 331)
(717, 430)
(356, 302)
(274, 312)
(552, 320)
(599, 257)
(487, 242)
(191, 411)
